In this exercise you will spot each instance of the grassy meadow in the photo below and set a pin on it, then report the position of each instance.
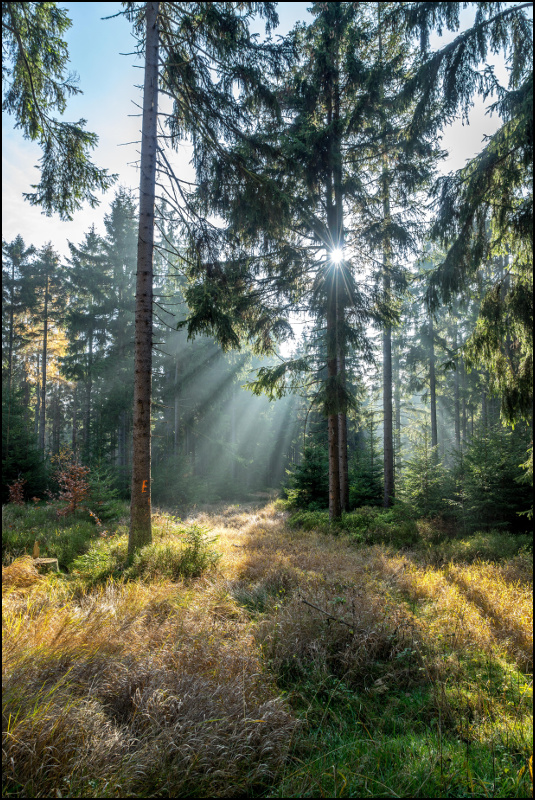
(252, 652)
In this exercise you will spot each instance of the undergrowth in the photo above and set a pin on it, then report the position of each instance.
(238, 656)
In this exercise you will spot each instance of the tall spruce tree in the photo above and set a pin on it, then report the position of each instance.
(50, 288)
(486, 208)
(206, 51)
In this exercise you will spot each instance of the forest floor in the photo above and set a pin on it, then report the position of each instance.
(286, 663)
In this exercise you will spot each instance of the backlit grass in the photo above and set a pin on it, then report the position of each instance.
(287, 663)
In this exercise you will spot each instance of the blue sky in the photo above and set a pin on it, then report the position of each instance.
(108, 81)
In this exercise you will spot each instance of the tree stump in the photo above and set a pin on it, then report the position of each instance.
(46, 563)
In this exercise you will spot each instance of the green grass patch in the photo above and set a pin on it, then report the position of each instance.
(63, 538)
(466, 733)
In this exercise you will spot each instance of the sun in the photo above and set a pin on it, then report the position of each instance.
(337, 255)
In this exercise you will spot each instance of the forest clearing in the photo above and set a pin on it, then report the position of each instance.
(298, 663)
(267, 407)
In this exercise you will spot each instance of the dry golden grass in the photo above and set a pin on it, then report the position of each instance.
(137, 688)
(131, 677)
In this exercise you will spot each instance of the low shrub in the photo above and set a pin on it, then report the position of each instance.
(366, 525)
(105, 558)
(186, 556)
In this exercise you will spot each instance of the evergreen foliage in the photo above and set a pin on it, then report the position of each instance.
(490, 490)
(34, 85)
(423, 483)
(23, 459)
(308, 484)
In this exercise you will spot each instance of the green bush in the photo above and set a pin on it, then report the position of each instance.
(310, 521)
(105, 558)
(367, 525)
(187, 556)
(308, 483)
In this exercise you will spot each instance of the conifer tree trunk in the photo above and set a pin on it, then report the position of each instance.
(176, 426)
(464, 416)
(234, 468)
(388, 464)
(397, 412)
(10, 359)
(37, 401)
(42, 412)
(89, 388)
(432, 385)
(140, 522)
(74, 420)
(332, 424)
(456, 400)
(342, 443)
(338, 484)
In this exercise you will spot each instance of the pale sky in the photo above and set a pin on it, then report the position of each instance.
(108, 81)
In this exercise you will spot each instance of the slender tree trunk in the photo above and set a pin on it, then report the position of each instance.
(176, 427)
(234, 466)
(56, 423)
(37, 401)
(193, 452)
(456, 399)
(397, 412)
(42, 417)
(140, 522)
(74, 420)
(89, 389)
(26, 394)
(433, 386)
(335, 310)
(484, 411)
(464, 416)
(388, 461)
(342, 442)
(332, 423)
(10, 360)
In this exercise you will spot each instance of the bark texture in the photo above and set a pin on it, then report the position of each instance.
(140, 523)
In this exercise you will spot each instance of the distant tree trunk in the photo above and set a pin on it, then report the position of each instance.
(42, 417)
(37, 401)
(335, 345)
(397, 411)
(193, 454)
(74, 420)
(176, 426)
(234, 466)
(388, 441)
(140, 520)
(26, 393)
(464, 416)
(484, 411)
(433, 385)
(10, 359)
(89, 389)
(342, 442)
(121, 443)
(388, 465)
(457, 407)
(56, 421)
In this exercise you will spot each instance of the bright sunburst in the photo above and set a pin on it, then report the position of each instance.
(337, 255)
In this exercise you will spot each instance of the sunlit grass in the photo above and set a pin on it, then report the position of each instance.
(296, 664)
